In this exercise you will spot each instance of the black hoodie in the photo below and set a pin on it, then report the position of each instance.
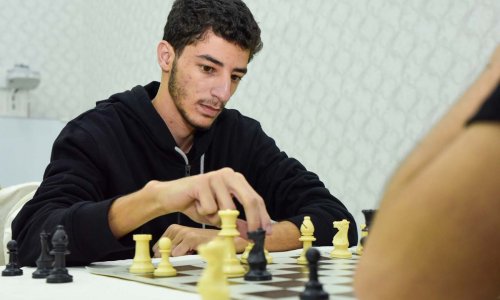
(121, 144)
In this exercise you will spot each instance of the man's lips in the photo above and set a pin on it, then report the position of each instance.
(209, 110)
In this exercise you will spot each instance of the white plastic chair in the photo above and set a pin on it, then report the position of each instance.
(12, 199)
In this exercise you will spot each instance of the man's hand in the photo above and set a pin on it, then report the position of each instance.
(200, 197)
(187, 239)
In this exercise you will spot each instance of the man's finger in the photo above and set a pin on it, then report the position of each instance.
(180, 249)
(242, 227)
(266, 222)
(253, 204)
(156, 252)
(222, 195)
(206, 203)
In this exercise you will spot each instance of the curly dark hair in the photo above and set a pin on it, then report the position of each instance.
(189, 21)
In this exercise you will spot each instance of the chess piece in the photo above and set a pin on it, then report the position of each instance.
(59, 273)
(269, 258)
(45, 261)
(165, 268)
(359, 248)
(12, 268)
(257, 259)
(369, 214)
(213, 283)
(340, 240)
(232, 266)
(142, 263)
(244, 255)
(306, 231)
(314, 289)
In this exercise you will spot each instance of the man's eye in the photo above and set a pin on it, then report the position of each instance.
(207, 69)
(236, 78)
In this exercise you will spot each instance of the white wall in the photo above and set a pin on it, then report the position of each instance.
(347, 87)
(25, 148)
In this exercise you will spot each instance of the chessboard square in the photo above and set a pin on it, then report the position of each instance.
(331, 280)
(276, 294)
(336, 273)
(345, 290)
(350, 260)
(247, 297)
(326, 252)
(330, 268)
(179, 275)
(188, 268)
(284, 260)
(281, 264)
(338, 267)
(145, 275)
(345, 296)
(287, 267)
(179, 279)
(339, 297)
(279, 272)
(324, 257)
(191, 272)
(191, 283)
(286, 284)
(337, 280)
(244, 289)
(240, 280)
(296, 269)
(295, 276)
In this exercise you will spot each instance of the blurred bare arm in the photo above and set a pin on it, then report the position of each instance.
(445, 131)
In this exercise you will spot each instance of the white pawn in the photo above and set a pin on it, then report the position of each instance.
(165, 268)
(340, 240)
(213, 283)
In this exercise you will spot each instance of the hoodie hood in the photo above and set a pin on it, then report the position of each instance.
(136, 104)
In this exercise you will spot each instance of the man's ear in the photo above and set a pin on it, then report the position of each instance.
(165, 53)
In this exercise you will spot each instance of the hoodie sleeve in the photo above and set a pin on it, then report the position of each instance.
(490, 110)
(71, 195)
(292, 192)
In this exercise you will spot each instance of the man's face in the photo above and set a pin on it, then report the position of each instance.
(204, 77)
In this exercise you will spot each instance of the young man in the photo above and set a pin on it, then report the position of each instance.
(436, 233)
(165, 157)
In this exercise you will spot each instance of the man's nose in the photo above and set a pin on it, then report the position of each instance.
(222, 90)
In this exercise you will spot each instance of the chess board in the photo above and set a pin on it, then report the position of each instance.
(288, 281)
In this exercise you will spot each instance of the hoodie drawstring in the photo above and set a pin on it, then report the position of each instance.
(187, 172)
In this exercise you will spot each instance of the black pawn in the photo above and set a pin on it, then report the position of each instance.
(45, 261)
(12, 268)
(314, 289)
(59, 274)
(256, 258)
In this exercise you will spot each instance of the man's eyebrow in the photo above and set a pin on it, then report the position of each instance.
(219, 63)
